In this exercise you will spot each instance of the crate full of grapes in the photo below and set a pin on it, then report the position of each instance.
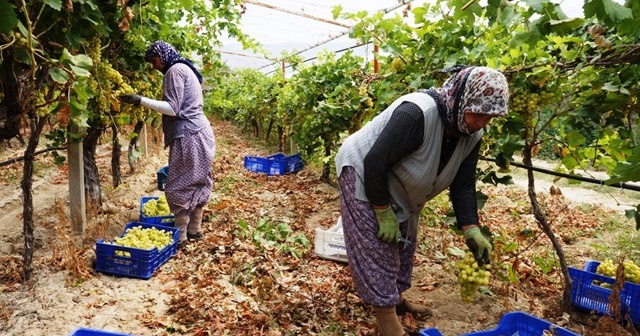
(591, 288)
(155, 210)
(138, 252)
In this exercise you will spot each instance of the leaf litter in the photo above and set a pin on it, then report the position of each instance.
(240, 280)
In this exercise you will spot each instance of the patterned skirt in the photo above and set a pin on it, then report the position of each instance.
(380, 271)
(190, 176)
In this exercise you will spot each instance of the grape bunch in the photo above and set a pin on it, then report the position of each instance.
(471, 276)
(156, 207)
(631, 270)
(527, 104)
(144, 238)
(108, 83)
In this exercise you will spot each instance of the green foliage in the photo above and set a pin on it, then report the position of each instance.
(10, 19)
(576, 110)
(329, 95)
(546, 263)
(267, 236)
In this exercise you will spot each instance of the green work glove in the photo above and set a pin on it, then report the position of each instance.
(388, 226)
(479, 245)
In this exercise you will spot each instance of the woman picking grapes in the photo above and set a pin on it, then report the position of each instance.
(423, 143)
(187, 133)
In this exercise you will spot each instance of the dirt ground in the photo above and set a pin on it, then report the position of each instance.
(52, 305)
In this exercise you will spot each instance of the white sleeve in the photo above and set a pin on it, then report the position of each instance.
(158, 105)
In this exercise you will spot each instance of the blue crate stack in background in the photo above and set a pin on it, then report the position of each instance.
(276, 164)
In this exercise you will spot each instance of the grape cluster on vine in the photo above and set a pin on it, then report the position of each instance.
(106, 81)
(526, 104)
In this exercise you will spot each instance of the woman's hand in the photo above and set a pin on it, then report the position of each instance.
(479, 245)
(388, 226)
(131, 99)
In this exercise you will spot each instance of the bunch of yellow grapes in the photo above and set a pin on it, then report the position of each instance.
(471, 276)
(156, 207)
(631, 270)
(527, 104)
(144, 238)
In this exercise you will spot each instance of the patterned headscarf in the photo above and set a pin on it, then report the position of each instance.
(168, 56)
(480, 90)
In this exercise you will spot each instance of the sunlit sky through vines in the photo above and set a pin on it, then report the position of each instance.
(278, 29)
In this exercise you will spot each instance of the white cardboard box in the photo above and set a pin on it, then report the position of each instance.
(330, 243)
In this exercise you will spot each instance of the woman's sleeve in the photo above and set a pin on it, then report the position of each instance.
(402, 135)
(463, 190)
(174, 84)
(161, 106)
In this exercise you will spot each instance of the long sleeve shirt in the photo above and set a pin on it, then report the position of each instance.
(402, 135)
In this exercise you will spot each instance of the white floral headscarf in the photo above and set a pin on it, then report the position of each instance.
(480, 90)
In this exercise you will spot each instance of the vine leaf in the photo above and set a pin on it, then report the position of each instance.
(608, 11)
(627, 171)
(58, 75)
(9, 17)
(55, 4)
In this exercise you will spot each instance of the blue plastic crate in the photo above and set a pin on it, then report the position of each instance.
(95, 332)
(264, 165)
(168, 220)
(133, 262)
(511, 323)
(588, 295)
(294, 163)
(276, 164)
(162, 177)
(430, 332)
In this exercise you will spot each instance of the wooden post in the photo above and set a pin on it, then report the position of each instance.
(77, 205)
(143, 141)
(283, 141)
(376, 67)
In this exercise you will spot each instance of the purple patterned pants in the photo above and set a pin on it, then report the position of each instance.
(380, 271)
(190, 177)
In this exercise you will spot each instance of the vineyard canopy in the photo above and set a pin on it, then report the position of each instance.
(309, 26)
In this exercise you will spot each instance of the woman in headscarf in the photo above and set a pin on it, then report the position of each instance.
(187, 133)
(422, 144)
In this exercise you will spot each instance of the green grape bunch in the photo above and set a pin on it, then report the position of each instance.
(144, 238)
(471, 276)
(156, 207)
(631, 270)
(527, 104)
